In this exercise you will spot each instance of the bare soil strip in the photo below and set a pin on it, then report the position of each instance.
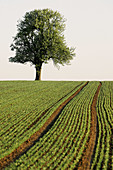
(32, 140)
(86, 159)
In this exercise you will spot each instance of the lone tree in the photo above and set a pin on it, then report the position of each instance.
(40, 38)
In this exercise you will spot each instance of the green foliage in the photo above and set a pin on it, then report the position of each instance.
(22, 103)
(40, 38)
(64, 140)
(62, 147)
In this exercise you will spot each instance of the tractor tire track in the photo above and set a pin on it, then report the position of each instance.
(87, 156)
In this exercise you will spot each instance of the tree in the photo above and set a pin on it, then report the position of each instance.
(40, 38)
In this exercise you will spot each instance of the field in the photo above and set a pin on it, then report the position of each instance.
(56, 125)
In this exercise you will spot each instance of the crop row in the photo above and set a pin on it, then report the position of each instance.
(103, 157)
(64, 143)
(27, 111)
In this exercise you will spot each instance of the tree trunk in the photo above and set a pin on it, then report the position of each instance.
(38, 72)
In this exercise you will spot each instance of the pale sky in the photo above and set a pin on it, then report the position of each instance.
(89, 28)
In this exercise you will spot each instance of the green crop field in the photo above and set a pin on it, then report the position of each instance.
(56, 125)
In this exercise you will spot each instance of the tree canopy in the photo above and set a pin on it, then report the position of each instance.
(40, 38)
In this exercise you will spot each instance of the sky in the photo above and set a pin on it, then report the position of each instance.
(89, 28)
